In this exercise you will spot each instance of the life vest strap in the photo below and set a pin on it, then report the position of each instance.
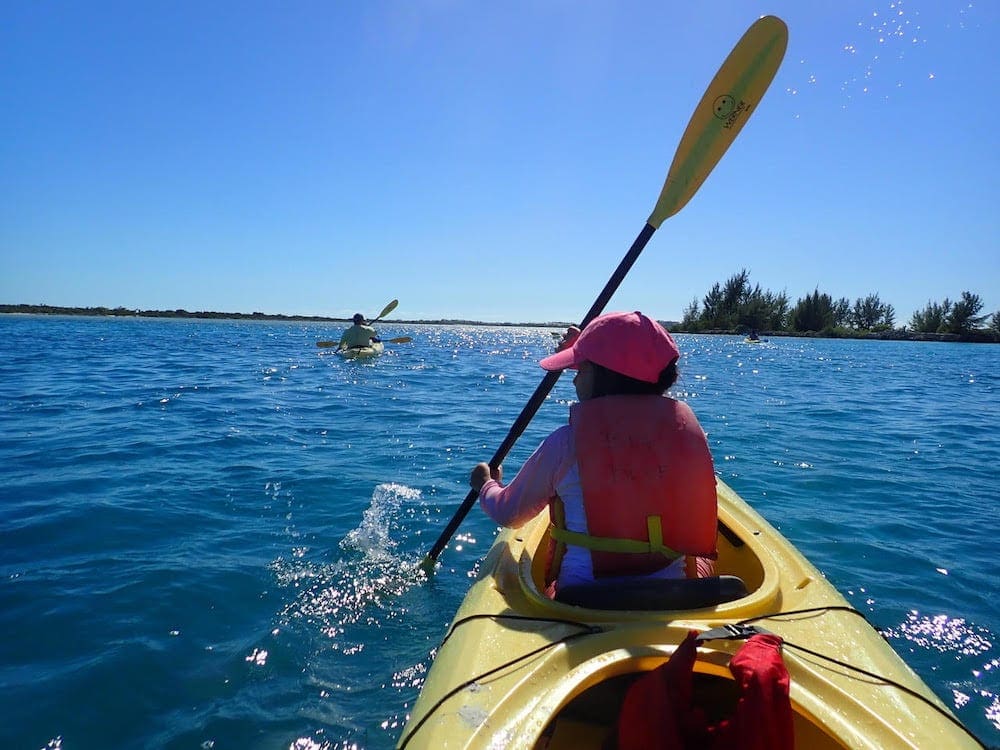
(613, 544)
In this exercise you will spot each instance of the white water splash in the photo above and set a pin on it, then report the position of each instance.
(885, 49)
(374, 536)
(361, 585)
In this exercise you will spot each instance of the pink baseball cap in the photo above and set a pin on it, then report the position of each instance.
(629, 343)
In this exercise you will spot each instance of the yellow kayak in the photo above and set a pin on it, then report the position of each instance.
(518, 670)
(363, 352)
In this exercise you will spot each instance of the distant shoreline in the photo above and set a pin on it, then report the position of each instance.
(976, 337)
(123, 312)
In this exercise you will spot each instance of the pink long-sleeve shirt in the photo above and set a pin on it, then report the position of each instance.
(535, 484)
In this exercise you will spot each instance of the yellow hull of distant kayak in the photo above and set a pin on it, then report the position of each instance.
(518, 670)
(363, 352)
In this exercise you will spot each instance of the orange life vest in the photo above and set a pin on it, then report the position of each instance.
(648, 484)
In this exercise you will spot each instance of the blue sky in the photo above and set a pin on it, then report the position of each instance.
(491, 161)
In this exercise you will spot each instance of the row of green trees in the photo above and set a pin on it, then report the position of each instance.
(740, 305)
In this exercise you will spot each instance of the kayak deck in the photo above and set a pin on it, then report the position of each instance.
(362, 352)
(519, 670)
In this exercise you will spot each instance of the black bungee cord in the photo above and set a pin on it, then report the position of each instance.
(737, 631)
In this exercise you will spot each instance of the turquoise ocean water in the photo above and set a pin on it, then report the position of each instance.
(209, 528)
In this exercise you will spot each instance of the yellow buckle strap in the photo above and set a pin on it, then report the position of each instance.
(613, 544)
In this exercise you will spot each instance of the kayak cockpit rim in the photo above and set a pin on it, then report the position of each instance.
(741, 556)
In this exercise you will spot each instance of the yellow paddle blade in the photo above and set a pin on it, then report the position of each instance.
(386, 310)
(401, 340)
(722, 112)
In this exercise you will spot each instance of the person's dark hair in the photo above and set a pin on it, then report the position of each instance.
(610, 383)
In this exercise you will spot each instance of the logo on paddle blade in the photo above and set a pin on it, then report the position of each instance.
(727, 109)
(723, 106)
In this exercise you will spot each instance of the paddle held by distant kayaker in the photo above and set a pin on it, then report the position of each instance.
(629, 483)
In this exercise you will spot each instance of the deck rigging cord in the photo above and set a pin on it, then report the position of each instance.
(735, 631)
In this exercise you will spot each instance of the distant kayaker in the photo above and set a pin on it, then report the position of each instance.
(358, 335)
(629, 482)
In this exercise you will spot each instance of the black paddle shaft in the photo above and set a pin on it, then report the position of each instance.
(531, 408)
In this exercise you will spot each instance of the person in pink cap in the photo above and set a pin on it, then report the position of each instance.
(629, 483)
